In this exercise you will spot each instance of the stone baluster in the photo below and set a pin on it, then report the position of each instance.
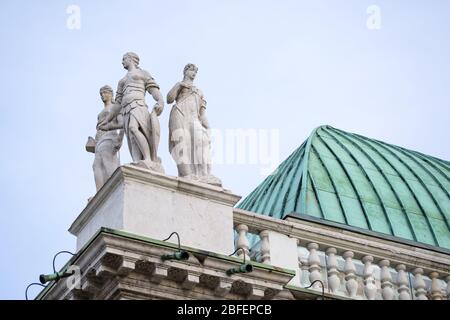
(436, 291)
(265, 246)
(305, 270)
(350, 274)
(300, 270)
(333, 278)
(387, 291)
(242, 242)
(370, 289)
(448, 287)
(419, 284)
(402, 283)
(314, 265)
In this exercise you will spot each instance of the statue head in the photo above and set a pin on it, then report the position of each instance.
(190, 71)
(130, 58)
(106, 92)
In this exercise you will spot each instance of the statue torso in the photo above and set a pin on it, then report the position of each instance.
(133, 86)
(188, 100)
(104, 135)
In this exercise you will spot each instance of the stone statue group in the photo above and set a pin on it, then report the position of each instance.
(127, 113)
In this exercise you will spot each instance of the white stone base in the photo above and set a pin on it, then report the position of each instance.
(283, 253)
(151, 204)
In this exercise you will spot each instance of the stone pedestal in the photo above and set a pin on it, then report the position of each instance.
(147, 203)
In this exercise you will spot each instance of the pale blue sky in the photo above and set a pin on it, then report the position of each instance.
(287, 65)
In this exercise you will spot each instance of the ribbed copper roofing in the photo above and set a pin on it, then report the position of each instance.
(360, 182)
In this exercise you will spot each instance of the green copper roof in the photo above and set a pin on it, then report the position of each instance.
(360, 182)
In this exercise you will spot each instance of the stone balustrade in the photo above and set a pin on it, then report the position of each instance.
(348, 263)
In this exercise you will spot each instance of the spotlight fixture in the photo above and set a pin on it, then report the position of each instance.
(179, 255)
(243, 268)
(55, 276)
(44, 278)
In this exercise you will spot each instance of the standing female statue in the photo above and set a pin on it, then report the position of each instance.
(107, 141)
(189, 132)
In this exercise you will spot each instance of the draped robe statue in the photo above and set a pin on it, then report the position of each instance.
(107, 142)
(189, 132)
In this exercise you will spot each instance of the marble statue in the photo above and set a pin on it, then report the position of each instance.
(189, 131)
(107, 141)
(141, 126)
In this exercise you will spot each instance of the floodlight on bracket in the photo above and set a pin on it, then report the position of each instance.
(243, 268)
(55, 276)
(179, 255)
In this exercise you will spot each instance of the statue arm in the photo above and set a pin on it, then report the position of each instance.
(173, 93)
(117, 106)
(114, 111)
(153, 88)
(202, 113)
(119, 120)
(119, 140)
(116, 123)
(203, 118)
(119, 93)
(156, 94)
(110, 122)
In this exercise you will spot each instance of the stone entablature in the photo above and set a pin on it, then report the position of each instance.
(120, 265)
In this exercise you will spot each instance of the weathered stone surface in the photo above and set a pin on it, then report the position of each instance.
(155, 205)
(189, 131)
(141, 126)
(107, 141)
(352, 259)
(187, 279)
